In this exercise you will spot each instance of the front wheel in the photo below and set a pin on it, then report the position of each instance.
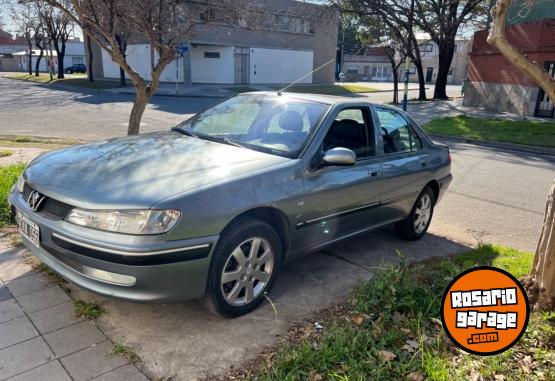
(244, 267)
(416, 224)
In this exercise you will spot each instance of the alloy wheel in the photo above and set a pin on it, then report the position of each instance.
(247, 271)
(423, 213)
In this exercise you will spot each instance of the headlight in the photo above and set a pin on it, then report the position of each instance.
(126, 221)
(20, 184)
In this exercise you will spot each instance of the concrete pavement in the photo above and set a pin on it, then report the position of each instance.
(40, 339)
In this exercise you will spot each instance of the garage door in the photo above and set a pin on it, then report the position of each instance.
(280, 65)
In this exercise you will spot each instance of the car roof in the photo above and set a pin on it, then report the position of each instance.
(320, 98)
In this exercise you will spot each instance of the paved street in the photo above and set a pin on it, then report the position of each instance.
(497, 196)
(37, 110)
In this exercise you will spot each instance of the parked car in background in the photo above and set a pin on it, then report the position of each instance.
(77, 68)
(212, 208)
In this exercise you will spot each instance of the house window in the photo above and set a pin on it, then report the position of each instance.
(412, 70)
(285, 23)
(211, 54)
(428, 48)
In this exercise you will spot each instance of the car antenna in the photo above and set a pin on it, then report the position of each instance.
(304, 76)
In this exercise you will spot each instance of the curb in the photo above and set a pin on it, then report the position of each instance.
(486, 143)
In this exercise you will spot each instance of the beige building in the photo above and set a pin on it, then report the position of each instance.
(430, 61)
(373, 66)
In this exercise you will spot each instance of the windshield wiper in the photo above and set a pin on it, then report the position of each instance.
(230, 141)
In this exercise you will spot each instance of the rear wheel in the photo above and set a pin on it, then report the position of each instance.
(244, 267)
(416, 224)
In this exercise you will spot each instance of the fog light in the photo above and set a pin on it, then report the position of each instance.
(105, 276)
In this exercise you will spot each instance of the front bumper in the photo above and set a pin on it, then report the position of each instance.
(137, 268)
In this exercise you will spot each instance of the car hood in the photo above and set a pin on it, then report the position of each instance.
(139, 171)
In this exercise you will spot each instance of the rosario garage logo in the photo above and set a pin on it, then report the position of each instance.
(485, 310)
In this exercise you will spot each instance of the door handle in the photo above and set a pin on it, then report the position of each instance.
(373, 173)
(423, 163)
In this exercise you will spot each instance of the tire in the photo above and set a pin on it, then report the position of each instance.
(69, 72)
(249, 279)
(413, 227)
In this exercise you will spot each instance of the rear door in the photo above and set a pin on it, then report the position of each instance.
(404, 161)
(341, 200)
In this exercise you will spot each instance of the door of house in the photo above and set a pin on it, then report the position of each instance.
(429, 74)
(544, 105)
(242, 65)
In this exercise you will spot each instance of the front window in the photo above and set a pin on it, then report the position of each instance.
(273, 124)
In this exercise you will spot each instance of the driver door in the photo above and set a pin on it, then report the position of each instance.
(340, 200)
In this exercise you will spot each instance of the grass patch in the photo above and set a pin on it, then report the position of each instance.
(390, 330)
(70, 79)
(5, 152)
(122, 350)
(509, 131)
(343, 89)
(35, 142)
(8, 177)
(89, 311)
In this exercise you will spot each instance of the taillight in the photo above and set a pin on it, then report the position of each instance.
(449, 156)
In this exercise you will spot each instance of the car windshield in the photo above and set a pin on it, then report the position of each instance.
(273, 124)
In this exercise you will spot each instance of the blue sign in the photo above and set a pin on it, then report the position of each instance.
(183, 49)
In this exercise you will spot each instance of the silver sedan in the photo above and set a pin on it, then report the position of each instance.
(212, 208)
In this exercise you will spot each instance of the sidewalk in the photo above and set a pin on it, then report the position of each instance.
(39, 337)
(424, 112)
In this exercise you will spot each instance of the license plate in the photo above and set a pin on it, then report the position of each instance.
(28, 229)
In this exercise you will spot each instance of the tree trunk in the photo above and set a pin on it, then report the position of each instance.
(421, 81)
(541, 283)
(395, 86)
(37, 64)
(139, 106)
(543, 270)
(417, 60)
(89, 60)
(122, 77)
(30, 58)
(497, 37)
(61, 52)
(446, 52)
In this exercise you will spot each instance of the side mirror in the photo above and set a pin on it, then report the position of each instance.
(340, 156)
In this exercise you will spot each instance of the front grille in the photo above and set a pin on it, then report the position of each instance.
(50, 208)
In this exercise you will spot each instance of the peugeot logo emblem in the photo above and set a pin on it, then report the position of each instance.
(35, 200)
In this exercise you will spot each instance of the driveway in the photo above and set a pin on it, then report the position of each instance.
(496, 196)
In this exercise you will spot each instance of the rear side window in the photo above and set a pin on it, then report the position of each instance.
(397, 134)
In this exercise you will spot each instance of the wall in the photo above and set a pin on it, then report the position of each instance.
(501, 97)
(280, 66)
(212, 70)
(494, 82)
(139, 58)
